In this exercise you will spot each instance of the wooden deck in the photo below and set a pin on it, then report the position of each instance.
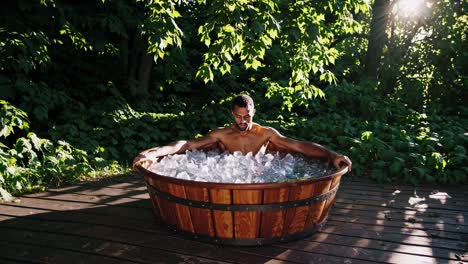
(110, 221)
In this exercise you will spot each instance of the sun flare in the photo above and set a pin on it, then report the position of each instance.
(409, 8)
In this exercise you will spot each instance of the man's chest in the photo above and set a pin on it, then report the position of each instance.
(248, 142)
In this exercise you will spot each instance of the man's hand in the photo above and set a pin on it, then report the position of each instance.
(340, 161)
(141, 159)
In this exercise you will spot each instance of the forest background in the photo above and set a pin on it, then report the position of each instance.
(86, 85)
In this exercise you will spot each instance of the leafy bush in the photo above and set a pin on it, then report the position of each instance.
(386, 140)
(28, 162)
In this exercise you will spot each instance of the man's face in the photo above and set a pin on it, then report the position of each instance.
(243, 117)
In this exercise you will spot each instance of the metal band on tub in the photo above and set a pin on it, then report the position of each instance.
(250, 241)
(241, 207)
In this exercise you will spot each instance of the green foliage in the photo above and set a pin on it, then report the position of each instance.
(229, 33)
(160, 26)
(30, 162)
(391, 142)
(295, 40)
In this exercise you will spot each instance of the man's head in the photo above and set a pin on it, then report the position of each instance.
(243, 111)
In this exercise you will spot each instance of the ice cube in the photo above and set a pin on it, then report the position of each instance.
(183, 175)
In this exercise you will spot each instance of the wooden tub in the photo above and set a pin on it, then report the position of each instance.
(242, 214)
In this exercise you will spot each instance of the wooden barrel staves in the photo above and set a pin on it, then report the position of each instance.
(242, 214)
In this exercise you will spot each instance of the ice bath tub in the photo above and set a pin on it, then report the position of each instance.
(242, 214)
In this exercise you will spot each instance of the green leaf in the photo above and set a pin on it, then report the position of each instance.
(273, 33)
(256, 64)
(201, 29)
(6, 131)
(366, 135)
(206, 40)
(225, 68)
(228, 28)
(35, 140)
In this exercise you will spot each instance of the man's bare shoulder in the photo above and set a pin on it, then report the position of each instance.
(266, 130)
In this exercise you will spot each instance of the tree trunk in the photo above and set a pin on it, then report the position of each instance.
(377, 38)
(139, 65)
(144, 73)
(134, 55)
(124, 59)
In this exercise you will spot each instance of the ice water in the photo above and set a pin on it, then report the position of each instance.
(214, 166)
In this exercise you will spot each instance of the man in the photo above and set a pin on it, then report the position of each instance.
(246, 136)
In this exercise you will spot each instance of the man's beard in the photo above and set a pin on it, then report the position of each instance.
(244, 128)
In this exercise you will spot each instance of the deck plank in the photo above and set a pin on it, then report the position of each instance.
(120, 210)
(142, 240)
(367, 184)
(110, 221)
(430, 216)
(404, 202)
(340, 243)
(441, 196)
(46, 254)
(112, 248)
(384, 235)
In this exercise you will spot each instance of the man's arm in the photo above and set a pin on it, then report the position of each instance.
(309, 149)
(176, 147)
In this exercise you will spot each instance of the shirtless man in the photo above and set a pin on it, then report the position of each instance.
(246, 136)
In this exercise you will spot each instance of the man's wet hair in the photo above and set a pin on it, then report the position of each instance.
(243, 100)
